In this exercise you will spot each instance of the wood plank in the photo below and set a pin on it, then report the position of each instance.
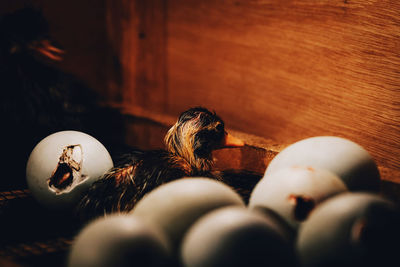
(146, 130)
(136, 31)
(289, 70)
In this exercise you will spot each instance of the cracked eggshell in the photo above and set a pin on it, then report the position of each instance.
(119, 240)
(59, 156)
(351, 229)
(294, 192)
(176, 205)
(348, 160)
(236, 236)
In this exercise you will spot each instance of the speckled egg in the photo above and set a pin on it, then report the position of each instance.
(294, 192)
(348, 160)
(351, 229)
(119, 240)
(63, 165)
(236, 236)
(175, 206)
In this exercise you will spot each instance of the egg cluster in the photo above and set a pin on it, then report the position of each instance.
(196, 222)
(318, 204)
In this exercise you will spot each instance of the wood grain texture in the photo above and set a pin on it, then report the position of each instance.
(146, 130)
(288, 70)
(280, 70)
(136, 31)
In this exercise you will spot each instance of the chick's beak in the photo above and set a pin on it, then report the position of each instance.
(231, 141)
(47, 49)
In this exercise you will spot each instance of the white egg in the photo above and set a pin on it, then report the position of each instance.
(294, 192)
(175, 206)
(351, 229)
(236, 236)
(119, 240)
(348, 160)
(63, 165)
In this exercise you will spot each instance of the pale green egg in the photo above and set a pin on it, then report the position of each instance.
(119, 240)
(294, 192)
(175, 206)
(63, 165)
(348, 160)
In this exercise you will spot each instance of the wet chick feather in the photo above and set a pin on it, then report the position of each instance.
(189, 146)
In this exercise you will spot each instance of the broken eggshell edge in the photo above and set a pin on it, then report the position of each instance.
(44, 160)
(294, 192)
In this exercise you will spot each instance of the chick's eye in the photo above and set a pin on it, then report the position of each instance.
(220, 128)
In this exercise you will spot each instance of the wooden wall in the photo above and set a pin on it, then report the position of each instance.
(281, 70)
